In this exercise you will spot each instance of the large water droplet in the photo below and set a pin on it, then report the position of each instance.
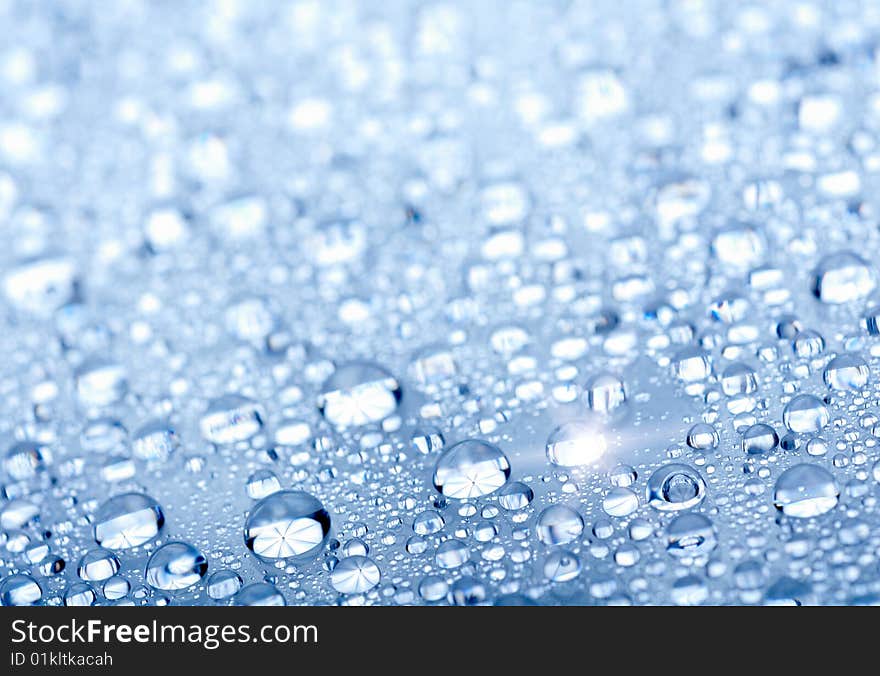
(127, 521)
(604, 393)
(805, 414)
(805, 490)
(175, 566)
(355, 575)
(20, 590)
(848, 372)
(287, 524)
(674, 487)
(358, 393)
(575, 443)
(231, 418)
(690, 534)
(558, 525)
(843, 277)
(471, 469)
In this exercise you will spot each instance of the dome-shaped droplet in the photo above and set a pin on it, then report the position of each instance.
(739, 245)
(808, 344)
(504, 203)
(358, 393)
(433, 365)
(702, 437)
(515, 495)
(19, 590)
(223, 584)
(174, 566)
(729, 308)
(428, 523)
(805, 413)
(738, 378)
(575, 443)
(79, 594)
(805, 490)
(558, 525)
(620, 502)
(116, 588)
(452, 553)
(848, 372)
(355, 575)
(692, 364)
(604, 393)
(127, 521)
(427, 440)
(681, 199)
(674, 487)
(690, 534)
(433, 588)
(231, 418)
(471, 469)
(40, 286)
(250, 319)
(287, 524)
(103, 435)
(843, 277)
(25, 459)
(98, 564)
(262, 483)
(259, 594)
(155, 440)
(18, 513)
(759, 438)
(100, 382)
(561, 566)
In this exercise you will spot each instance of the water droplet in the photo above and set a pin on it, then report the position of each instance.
(287, 524)
(674, 487)
(358, 393)
(739, 245)
(805, 413)
(100, 382)
(223, 584)
(558, 525)
(604, 393)
(561, 566)
(848, 372)
(25, 459)
(128, 520)
(805, 490)
(471, 469)
(79, 594)
(20, 590)
(692, 364)
(155, 440)
(98, 564)
(261, 483)
(620, 502)
(575, 443)
(175, 566)
(702, 437)
(515, 495)
(355, 575)
(259, 594)
(842, 277)
(231, 418)
(759, 439)
(41, 286)
(690, 534)
(452, 553)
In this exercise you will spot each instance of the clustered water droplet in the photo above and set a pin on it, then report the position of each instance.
(385, 309)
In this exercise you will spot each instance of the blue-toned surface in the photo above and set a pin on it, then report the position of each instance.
(464, 303)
